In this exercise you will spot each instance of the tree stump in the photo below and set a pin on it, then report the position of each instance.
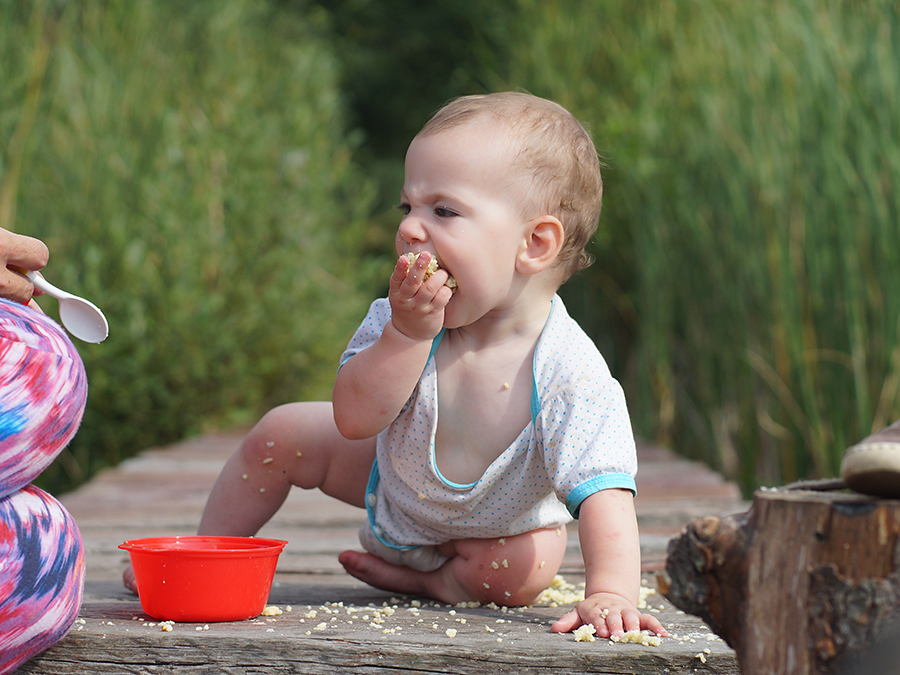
(806, 581)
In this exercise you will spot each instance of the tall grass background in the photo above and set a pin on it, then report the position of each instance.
(753, 155)
(188, 167)
(195, 167)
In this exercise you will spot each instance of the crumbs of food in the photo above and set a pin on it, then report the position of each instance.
(431, 269)
(272, 610)
(585, 633)
(638, 637)
(561, 592)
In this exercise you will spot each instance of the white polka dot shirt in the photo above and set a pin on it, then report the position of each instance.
(579, 441)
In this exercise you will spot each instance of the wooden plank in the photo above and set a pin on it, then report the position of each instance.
(335, 626)
(162, 492)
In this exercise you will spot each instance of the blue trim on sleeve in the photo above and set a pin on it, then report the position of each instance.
(603, 482)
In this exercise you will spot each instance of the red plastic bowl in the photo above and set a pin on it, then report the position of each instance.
(203, 579)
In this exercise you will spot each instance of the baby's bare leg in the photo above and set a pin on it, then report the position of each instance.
(295, 444)
(510, 571)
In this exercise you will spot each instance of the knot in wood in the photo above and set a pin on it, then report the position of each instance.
(706, 528)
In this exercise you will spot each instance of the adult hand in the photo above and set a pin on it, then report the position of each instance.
(17, 253)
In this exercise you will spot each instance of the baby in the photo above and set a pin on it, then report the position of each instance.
(471, 423)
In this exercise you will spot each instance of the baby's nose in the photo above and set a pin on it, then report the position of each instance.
(411, 230)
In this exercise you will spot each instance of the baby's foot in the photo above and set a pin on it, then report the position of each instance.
(382, 574)
(129, 580)
(437, 585)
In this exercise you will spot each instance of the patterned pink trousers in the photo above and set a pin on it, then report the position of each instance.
(43, 390)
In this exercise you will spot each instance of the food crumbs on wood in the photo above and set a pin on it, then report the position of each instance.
(561, 592)
(638, 637)
(272, 610)
(267, 460)
(585, 633)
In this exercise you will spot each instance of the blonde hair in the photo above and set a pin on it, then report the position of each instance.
(554, 151)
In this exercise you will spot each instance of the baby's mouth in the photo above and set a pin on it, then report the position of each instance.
(431, 269)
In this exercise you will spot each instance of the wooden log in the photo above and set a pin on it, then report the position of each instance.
(804, 582)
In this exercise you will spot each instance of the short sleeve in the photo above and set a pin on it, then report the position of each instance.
(580, 415)
(587, 440)
(369, 330)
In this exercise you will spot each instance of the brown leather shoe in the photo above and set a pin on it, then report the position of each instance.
(872, 466)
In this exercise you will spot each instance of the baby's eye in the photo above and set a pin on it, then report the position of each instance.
(442, 212)
(403, 208)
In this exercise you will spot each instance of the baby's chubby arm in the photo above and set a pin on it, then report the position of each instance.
(608, 533)
(372, 387)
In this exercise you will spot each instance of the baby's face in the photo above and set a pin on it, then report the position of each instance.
(462, 202)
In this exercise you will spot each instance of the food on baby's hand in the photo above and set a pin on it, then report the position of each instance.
(431, 269)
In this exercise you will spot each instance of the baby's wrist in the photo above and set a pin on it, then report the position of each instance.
(609, 599)
(402, 339)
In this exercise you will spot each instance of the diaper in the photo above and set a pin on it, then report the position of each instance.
(421, 558)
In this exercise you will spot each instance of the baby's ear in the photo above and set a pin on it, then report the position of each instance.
(543, 241)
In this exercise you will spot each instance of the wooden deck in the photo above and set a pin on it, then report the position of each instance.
(332, 623)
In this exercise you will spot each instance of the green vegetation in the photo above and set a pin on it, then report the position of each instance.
(751, 222)
(189, 169)
(194, 167)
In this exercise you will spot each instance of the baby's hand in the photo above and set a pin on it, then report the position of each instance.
(610, 614)
(417, 304)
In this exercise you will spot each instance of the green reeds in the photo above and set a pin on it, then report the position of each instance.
(189, 170)
(754, 168)
(189, 167)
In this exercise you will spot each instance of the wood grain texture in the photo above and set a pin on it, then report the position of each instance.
(803, 582)
(162, 492)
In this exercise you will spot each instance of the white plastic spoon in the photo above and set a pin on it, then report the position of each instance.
(82, 318)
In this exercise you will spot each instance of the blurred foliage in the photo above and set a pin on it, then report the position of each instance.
(194, 167)
(745, 289)
(189, 168)
(750, 235)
